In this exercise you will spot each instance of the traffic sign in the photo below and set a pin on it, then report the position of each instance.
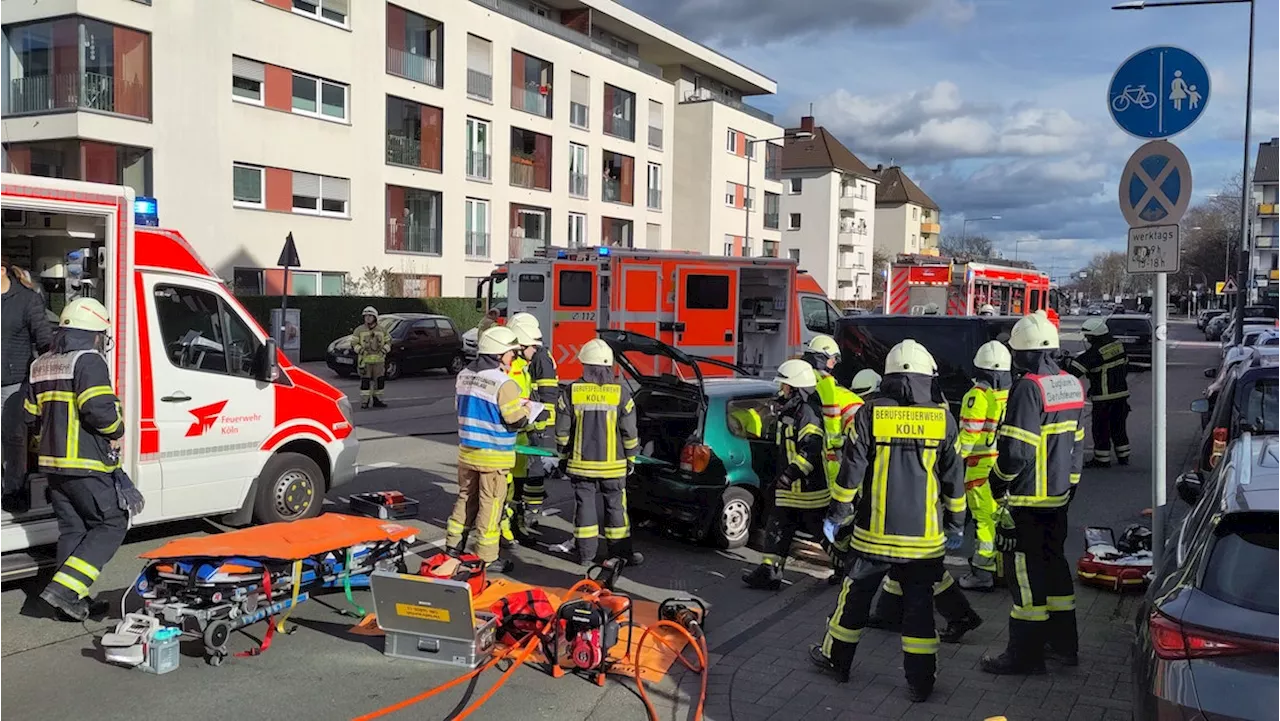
(1153, 249)
(289, 254)
(1155, 187)
(1158, 92)
(1229, 287)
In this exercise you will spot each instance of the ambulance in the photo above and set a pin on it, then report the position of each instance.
(219, 421)
(752, 313)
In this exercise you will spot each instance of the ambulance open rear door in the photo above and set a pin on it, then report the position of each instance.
(706, 319)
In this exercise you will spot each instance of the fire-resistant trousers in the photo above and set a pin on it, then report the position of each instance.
(1110, 428)
(982, 506)
(530, 473)
(919, 637)
(373, 377)
(91, 526)
(1043, 589)
(586, 526)
(780, 528)
(949, 600)
(481, 493)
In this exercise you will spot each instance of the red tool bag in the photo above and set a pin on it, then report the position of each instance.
(520, 614)
(465, 567)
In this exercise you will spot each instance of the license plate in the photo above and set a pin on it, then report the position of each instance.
(1127, 341)
(345, 361)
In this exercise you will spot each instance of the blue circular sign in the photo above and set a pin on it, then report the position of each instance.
(1158, 92)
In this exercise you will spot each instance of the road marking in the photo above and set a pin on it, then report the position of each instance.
(361, 468)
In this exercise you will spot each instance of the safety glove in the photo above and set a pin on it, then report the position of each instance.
(1006, 532)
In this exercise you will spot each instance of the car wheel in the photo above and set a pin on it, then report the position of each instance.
(290, 488)
(393, 370)
(457, 364)
(733, 523)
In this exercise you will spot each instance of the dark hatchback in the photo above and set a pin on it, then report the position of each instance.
(1244, 399)
(1134, 331)
(419, 342)
(1205, 645)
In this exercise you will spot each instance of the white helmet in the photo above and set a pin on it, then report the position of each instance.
(797, 374)
(865, 381)
(497, 341)
(596, 352)
(932, 309)
(525, 334)
(825, 345)
(1095, 327)
(524, 318)
(993, 356)
(85, 314)
(1034, 332)
(910, 357)
(369, 310)
(987, 309)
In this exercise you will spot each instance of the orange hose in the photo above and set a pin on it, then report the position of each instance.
(533, 643)
(699, 647)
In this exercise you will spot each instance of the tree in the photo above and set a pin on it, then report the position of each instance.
(880, 261)
(1209, 229)
(372, 282)
(968, 247)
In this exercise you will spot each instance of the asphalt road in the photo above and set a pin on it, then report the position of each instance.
(52, 669)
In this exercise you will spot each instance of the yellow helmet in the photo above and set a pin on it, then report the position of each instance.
(865, 381)
(85, 314)
(824, 344)
(910, 357)
(497, 341)
(596, 352)
(993, 356)
(526, 333)
(1034, 332)
(797, 374)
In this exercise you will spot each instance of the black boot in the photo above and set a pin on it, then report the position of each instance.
(1062, 644)
(68, 609)
(955, 630)
(820, 660)
(919, 693)
(377, 403)
(1024, 655)
(364, 403)
(501, 565)
(1122, 460)
(764, 576)
(1095, 463)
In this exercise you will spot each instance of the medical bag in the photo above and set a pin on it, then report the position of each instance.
(464, 567)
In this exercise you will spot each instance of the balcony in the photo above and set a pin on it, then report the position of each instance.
(655, 138)
(477, 165)
(930, 228)
(655, 199)
(530, 100)
(1267, 208)
(413, 237)
(479, 85)
(850, 200)
(578, 185)
(852, 235)
(414, 67)
(619, 127)
(402, 150)
(612, 190)
(702, 95)
(77, 91)
(522, 173)
(846, 275)
(1264, 241)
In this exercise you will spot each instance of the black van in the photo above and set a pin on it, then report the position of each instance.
(953, 340)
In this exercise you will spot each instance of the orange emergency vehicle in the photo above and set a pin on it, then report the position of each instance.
(219, 421)
(750, 312)
(962, 287)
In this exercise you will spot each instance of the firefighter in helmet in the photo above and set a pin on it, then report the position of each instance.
(865, 383)
(372, 343)
(987, 310)
(542, 384)
(839, 404)
(981, 411)
(1106, 365)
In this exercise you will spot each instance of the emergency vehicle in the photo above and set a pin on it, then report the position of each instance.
(962, 287)
(219, 421)
(750, 312)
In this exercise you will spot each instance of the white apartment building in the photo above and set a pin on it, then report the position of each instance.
(907, 219)
(431, 139)
(828, 212)
(1264, 263)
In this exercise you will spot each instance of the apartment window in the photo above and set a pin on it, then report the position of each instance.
(794, 254)
(75, 63)
(82, 160)
(771, 204)
(619, 113)
(655, 186)
(577, 170)
(729, 242)
(531, 84)
(334, 11)
(794, 188)
(247, 186)
(270, 281)
(530, 230)
(413, 220)
(793, 221)
(772, 161)
(731, 141)
(477, 149)
(577, 230)
(320, 194)
(615, 232)
(751, 199)
(579, 100)
(655, 124)
(318, 97)
(770, 249)
(862, 259)
(731, 194)
(746, 248)
(414, 46)
(530, 159)
(914, 211)
(414, 134)
(477, 242)
(619, 178)
(247, 78)
(479, 68)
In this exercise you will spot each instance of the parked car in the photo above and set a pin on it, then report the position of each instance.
(1205, 645)
(1215, 325)
(1242, 398)
(1253, 327)
(470, 343)
(1206, 315)
(419, 342)
(1097, 310)
(1134, 331)
(1262, 311)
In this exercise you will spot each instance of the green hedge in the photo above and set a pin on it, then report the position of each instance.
(326, 317)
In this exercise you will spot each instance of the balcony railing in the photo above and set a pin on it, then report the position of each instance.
(479, 84)
(477, 165)
(414, 67)
(520, 246)
(530, 100)
(524, 174)
(772, 171)
(477, 244)
(612, 191)
(579, 115)
(655, 138)
(771, 221)
(413, 237)
(578, 185)
(70, 91)
(1264, 241)
(655, 198)
(702, 95)
(620, 127)
(403, 150)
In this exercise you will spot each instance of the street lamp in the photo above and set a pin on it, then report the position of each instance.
(1242, 267)
(746, 193)
(964, 224)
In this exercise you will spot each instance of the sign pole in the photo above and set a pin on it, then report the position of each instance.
(1159, 378)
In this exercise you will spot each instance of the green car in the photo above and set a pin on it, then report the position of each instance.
(707, 433)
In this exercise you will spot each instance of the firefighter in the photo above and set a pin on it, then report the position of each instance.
(490, 413)
(901, 487)
(987, 310)
(543, 385)
(372, 343)
(801, 491)
(519, 372)
(839, 404)
(1106, 366)
(1040, 450)
(597, 438)
(75, 413)
(980, 413)
(865, 383)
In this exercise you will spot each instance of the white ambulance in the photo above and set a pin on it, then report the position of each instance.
(219, 422)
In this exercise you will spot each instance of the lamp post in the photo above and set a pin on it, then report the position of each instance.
(746, 193)
(964, 224)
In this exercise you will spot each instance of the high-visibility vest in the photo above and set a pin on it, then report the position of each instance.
(980, 414)
(484, 441)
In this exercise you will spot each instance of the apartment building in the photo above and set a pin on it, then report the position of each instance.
(1264, 261)
(828, 211)
(907, 219)
(431, 140)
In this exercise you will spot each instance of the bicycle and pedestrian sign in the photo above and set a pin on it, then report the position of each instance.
(1158, 92)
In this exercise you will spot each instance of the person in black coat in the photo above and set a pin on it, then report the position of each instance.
(24, 331)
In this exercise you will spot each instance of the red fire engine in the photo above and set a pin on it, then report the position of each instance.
(962, 287)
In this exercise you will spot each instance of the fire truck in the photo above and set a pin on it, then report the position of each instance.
(961, 287)
(752, 313)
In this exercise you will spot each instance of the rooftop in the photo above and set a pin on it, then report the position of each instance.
(897, 189)
(823, 151)
(1267, 167)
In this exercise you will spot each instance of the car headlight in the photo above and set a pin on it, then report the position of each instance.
(344, 405)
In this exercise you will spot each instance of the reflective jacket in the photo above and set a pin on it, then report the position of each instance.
(70, 401)
(981, 411)
(839, 405)
(596, 426)
(1106, 366)
(490, 412)
(1040, 444)
(545, 381)
(371, 344)
(803, 480)
(901, 481)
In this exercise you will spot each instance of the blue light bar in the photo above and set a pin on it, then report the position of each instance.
(146, 212)
(602, 250)
(562, 254)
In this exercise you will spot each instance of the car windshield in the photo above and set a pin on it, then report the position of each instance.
(1258, 405)
(1261, 311)
(1241, 568)
(389, 324)
(1129, 326)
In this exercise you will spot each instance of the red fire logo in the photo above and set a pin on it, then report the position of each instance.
(205, 418)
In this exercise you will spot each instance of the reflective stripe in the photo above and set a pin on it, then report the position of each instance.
(586, 531)
(929, 457)
(834, 629)
(891, 586)
(454, 528)
(1061, 603)
(1029, 613)
(83, 567)
(617, 533)
(1020, 434)
(62, 579)
(944, 584)
(30, 407)
(956, 505)
(55, 396)
(80, 464)
(879, 488)
(91, 393)
(920, 646)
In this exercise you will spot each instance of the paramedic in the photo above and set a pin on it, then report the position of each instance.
(538, 382)
(981, 411)
(839, 404)
(23, 328)
(1040, 450)
(372, 342)
(1106, 365)
(70, 391)
(597, 438)
(801, 490)
(490, 412)
(900, 486)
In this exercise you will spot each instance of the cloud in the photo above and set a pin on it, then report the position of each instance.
(731, 23)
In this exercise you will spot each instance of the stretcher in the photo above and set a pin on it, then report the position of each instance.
(525, 450)
(212, 585)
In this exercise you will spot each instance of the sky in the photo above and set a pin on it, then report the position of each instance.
(996, 107)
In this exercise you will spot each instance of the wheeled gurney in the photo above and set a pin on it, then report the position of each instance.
(210, 586)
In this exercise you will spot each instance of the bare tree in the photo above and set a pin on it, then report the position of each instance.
(968, 247)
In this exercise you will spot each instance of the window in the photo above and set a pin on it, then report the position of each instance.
(746, 248)
(414, 46)
(530, 159)
(707, 292)
(89, 160)
(731, 141)
(619, 178)
(1241, 555)
(530, 230)
(794, 188)
(247, 281)
(259, 281)
(817, 315)
(772, 161)
(477, 149)
(751, 199)
(334, 11)
(615, 232)
(413, 220)
(728, 245)
(793, 221)
(731, 194)
(579, 100)
(246, 185)
(655, 186)
(771, 204)
(479, 68)
(531, 84)
(862, 259)
(201, 333)
(414, 134)
(532, 288)
(750, 418)
(247, 77)
(619, 113)
(749, 146)
(794, 254)
(577, 170)
(320, 194)
(655, 124)
(914, 211)
(321, 98)
(477, 243)
(575, 288)
(577, 230)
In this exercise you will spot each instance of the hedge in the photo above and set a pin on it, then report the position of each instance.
(327, 317)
